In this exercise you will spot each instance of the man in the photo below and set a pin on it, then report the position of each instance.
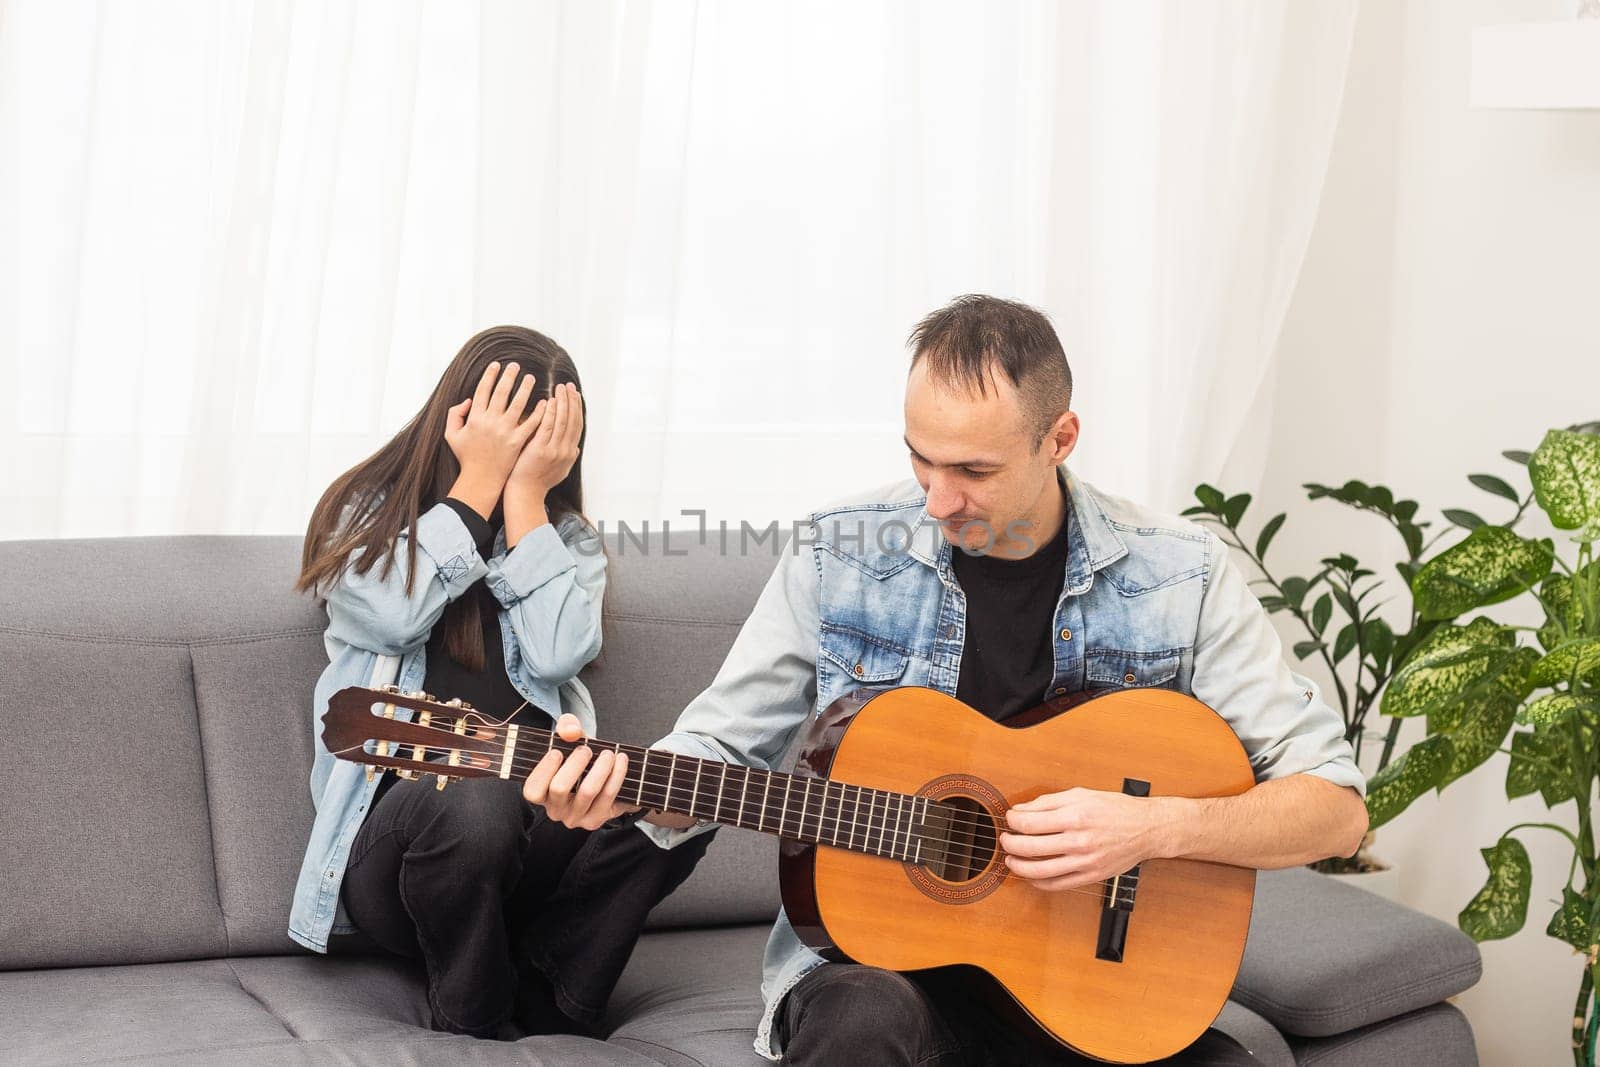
(1034, 585)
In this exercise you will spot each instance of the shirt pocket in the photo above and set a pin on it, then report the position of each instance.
(1118, 668)
(849, 660)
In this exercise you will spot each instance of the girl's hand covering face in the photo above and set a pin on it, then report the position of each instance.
(548, 457)
(486, 431)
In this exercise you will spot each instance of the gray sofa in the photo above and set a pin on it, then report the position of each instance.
(155, 694)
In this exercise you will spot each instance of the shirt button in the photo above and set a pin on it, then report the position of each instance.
(1129, 678)
(1061, 690)
(950, 631)
(860, 670)
(1066, 635)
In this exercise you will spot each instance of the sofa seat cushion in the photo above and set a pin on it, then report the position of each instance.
(693, 997)
(287, 1009)
(1325, 957)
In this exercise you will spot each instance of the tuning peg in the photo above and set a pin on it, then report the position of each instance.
(371, 772)
(443, 781)
(406, 773)
(389, 688)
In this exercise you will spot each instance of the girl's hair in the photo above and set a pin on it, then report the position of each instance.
(367, 507)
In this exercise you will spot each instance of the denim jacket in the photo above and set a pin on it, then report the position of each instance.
(549, 588)
(870, 599)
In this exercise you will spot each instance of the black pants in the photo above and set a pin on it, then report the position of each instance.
(497, 900)
(846, 1013)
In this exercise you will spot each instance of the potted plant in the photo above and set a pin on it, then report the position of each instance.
(1483, 681)
(1337, 608)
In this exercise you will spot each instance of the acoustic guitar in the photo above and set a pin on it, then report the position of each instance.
(889, 817)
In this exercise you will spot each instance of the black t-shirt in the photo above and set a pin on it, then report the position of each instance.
(1008, 657)
(490, 690)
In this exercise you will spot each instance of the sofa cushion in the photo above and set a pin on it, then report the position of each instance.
(253, 695)
(1436, 1034)
(107, 844)
(83, 1014)
(693, 997)
(267, 1010)
(1325, 957)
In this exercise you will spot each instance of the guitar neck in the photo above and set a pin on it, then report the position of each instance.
(798, 807)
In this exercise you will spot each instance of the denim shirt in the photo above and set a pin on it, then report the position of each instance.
(549, 588)
(869, 599)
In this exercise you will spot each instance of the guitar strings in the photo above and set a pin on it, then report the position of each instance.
(524, 764)
(980, 855)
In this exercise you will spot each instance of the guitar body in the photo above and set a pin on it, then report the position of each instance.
(1128, 991)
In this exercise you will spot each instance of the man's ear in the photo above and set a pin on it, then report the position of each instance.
(1062, 437)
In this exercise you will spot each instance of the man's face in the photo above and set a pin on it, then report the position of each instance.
(986, 473)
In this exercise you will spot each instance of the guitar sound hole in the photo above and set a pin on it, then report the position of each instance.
(966, 838)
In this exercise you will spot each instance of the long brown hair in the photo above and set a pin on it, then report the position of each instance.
(364, 511)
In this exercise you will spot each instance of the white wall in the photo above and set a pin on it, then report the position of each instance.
(1449, 308)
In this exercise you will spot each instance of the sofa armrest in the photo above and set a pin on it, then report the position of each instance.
(1325, 957)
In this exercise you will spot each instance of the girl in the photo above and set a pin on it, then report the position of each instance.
(457, 560)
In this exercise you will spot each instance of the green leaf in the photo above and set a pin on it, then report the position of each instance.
(1491, 565)
(1467, 520)
(1498, 486)
(1391, 790)
(1380, 642)
(1551, 778)
(1570, 923)
(1346, 603)
(1551, 709)
(1302, 649)
(1210, 498)
(1478, 723)
(1456, 662)
(1501, 906)
(1233, 509)
(1565, 471)
(1294, 590)
(1405, 510)
(1321, 612)
(1517, 456)
(1381, 498)
(1412, 534)
(1344, 642)
(1268, 532)
(1581, 655)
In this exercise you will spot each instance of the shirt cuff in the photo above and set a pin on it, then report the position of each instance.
(540, 556)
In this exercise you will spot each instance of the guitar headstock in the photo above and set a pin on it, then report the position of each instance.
(448, 740)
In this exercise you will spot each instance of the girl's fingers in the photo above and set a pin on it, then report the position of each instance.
(536, 790)
(558, 432)
(568, 728)
(575, 420)
(530, 425)
(502, 389)
(519, 400)
(456, 417)
(480, 397)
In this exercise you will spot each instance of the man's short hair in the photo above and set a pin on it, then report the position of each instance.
(973, 337)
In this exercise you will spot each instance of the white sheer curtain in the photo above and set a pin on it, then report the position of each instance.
(241, 240)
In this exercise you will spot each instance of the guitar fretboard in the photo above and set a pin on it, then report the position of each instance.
(799, 807)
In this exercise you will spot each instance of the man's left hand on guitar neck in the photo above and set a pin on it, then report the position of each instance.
(1083, 836)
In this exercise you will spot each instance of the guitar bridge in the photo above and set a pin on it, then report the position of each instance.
(1119, 897)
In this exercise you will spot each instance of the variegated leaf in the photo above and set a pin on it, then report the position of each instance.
(1551, 708)
(1570, 923)
(1501, 907)
(1491, 565)
(1391, 790)
(1580, 657)
(1565, 471)
(1454, 663)
(1478, 723)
